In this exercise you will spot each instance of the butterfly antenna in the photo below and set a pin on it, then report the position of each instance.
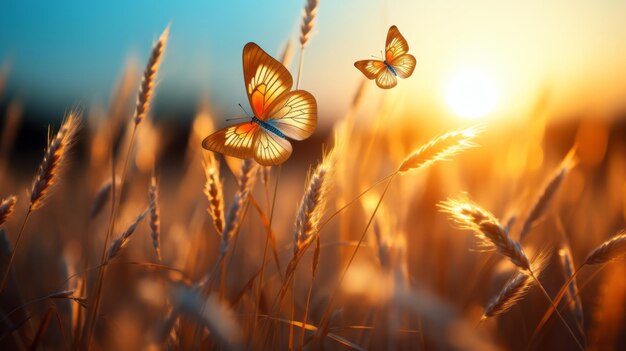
(236, 119)
(244, 111)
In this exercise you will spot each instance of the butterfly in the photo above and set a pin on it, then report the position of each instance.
(278, 113)
(396, 63)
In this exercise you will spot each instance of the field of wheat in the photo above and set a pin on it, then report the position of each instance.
(378, 234)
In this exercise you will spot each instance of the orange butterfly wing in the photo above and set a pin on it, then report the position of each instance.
(237, 141)
(294, 114)
(370, 68)
(271, 149)
(404, 65)
(265, 78)
(386, 79)
(395, 45)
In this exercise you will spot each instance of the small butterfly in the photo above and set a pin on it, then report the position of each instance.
(396, 63)
(278, 113)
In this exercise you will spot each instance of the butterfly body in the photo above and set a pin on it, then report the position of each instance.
(397, 62)
(279, 114)
(268, 126)
(390, 68)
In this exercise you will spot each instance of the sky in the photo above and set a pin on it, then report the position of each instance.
(68, 53)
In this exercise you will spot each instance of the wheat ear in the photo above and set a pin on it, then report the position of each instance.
(123, 239)
(312, 206)
(155, 217)
(100, 199)
(440, 148)
(608, 250)
(514, 290)
(54, 157)
(489, 232)
(213, 189)
(548, 193)
(306, 31)
(146, 90)
(6, 208)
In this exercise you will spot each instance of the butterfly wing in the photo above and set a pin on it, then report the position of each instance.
(265, 78)
(386, 79)
(370, 68)
(238, 140)
(404, 65)
(294, 114)
(396, 45)
(271, 149)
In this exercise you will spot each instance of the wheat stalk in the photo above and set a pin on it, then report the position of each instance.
(306, 31)
(606, 252)
(437, 149)
(155, 222)
(117, 246)
(308, 218)
(440, 148)
(247, 178)
(46, 176)
(548, 193)
(213, 190)
(567, 265)
(212, 313)
(143, 103)
(312, 206)
(6, 208)
(146, 89)
(489, 232)
(246, 181)
(287, 54)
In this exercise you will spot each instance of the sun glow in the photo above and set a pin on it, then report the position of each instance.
(471, 94)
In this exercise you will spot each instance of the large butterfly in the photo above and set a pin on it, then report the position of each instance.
(278, 113)
(396, 63)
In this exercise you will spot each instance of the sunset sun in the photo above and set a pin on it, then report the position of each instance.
(471, 94)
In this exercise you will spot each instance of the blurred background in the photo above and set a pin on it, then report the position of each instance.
(540, 76)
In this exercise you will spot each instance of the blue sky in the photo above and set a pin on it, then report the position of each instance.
(67, 53)
(72, 51)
